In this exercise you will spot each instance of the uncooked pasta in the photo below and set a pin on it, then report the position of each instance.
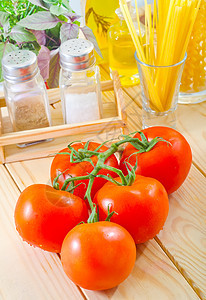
(167, 38)
(194, 75)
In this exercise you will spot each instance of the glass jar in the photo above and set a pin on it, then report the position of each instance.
(99, 16)
(25, 91)
(193, 82)
(122, 49)
(79, 82)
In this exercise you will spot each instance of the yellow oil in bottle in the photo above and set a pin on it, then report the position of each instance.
(99, 16)
(122, 51)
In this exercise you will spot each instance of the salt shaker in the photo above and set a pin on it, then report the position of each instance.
(25, 91)
(79, 82)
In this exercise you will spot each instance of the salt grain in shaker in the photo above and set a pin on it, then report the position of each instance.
(25, 92)
(79, 82)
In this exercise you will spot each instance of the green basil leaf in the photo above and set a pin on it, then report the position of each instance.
(57, 10)
(20, 34)
(4, 49)
(69, 31)
(39, 21)
(89, 35)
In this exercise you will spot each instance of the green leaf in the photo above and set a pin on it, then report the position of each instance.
(51, 1)
(67, 5)
(4, 49)
(37, 47)
(3, 18)
(89, 35)
(32, 46)
(38, 3)
(54, 32)
(57, 10)
(39, 21)
(20, 34)
(69, 31)
(144, 139)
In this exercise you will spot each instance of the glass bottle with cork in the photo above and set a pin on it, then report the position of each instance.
(122, 49)
(99, 16)
(79, 82)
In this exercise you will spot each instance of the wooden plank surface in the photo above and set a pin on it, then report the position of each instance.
(192, 124)
(184, 234)
(173, 266)
(26, 272)
(184, 237)
(153, 275)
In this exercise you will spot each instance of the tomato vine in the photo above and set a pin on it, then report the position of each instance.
(84, 154)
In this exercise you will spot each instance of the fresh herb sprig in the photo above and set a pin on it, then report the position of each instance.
(40, 26)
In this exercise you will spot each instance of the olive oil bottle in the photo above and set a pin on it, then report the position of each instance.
(99, 16)
(122, 50)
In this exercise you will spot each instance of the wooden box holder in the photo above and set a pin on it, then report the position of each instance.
(56, 131)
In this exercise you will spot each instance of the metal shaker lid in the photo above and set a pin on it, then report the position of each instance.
(19, 65)
(77, 54)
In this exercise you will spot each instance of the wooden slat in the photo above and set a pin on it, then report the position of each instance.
(184, 234)
(26, 272)
(1, 147)
(14, 153)
(192, 124)
(153, 275)
(59, 131)
(23, 174)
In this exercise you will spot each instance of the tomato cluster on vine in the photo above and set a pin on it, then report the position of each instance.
(99, 208)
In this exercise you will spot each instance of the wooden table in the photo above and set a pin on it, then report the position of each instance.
(171, 266)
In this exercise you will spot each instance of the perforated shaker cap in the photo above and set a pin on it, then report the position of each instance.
(19, 65)
(77, 54)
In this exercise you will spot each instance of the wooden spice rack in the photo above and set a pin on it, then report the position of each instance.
(110, 126)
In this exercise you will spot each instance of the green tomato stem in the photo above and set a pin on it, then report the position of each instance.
(115, 170)
(141, 146)
(68, 180)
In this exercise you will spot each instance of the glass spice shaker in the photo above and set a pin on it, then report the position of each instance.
(79, 82)
(25, 92)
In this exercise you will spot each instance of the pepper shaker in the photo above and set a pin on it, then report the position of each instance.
(25, 92)
(79, 82)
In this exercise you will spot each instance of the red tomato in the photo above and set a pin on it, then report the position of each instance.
(168, 163)
(62, 162)
(98, 256)
(141, 208)
(44, 216)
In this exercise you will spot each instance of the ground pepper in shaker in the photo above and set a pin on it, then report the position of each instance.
(79, 82)
(25, 92)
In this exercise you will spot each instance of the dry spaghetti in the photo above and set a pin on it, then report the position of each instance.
(167, 37)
